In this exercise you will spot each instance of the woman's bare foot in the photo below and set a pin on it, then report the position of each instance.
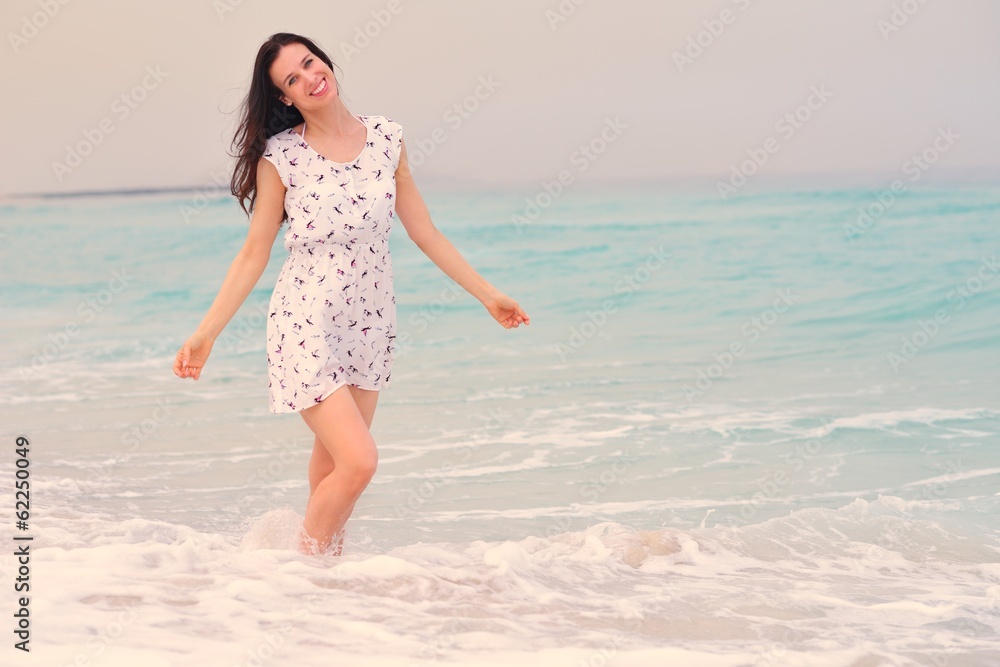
(310, 546)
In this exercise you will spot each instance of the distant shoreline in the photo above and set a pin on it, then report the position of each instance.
(101, 193)
(975, 176)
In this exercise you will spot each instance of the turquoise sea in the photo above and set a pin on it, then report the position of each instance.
(762, 431)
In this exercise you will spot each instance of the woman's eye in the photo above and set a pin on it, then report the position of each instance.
(291, 81)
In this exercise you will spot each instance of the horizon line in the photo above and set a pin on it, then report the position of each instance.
(815, 178)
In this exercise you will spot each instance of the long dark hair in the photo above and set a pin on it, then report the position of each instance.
(262, 115)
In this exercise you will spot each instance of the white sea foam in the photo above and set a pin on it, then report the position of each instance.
(816, 583)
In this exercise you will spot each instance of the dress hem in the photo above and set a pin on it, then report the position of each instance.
(326, 394)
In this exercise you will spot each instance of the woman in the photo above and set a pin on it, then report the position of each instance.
(337, 179)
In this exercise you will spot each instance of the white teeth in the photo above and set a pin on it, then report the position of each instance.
(320, 88)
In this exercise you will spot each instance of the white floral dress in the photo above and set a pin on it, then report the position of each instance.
(332, 316)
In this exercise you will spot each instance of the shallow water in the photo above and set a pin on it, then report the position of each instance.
(613, 484)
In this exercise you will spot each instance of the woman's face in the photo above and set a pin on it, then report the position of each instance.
(303, 79)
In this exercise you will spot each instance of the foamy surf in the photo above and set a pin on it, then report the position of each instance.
(806, 589)
(277, 529)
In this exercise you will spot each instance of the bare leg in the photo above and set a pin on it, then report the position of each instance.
(343, 462)
(322, 464)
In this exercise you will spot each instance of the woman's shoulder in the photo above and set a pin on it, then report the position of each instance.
(283, 137)
(280, 149)
(381, 122)
(389, 130)
(279, 144)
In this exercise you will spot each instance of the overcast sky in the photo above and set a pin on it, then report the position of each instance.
(871, 87)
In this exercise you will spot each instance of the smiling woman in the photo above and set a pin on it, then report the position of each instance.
(331, 324)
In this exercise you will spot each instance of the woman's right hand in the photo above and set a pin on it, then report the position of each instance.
(192, 357)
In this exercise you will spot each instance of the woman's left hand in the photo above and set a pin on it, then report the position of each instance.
(506, 311)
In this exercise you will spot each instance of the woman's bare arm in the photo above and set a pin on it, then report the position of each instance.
(416, 219)
(252, 258)
(244, 272)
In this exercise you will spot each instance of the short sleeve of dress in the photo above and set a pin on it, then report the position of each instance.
(394, 134)
(274, 155)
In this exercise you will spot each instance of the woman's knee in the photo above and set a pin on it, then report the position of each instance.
(354, 473)
(363, 469)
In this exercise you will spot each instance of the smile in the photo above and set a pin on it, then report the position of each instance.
(321, 88)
